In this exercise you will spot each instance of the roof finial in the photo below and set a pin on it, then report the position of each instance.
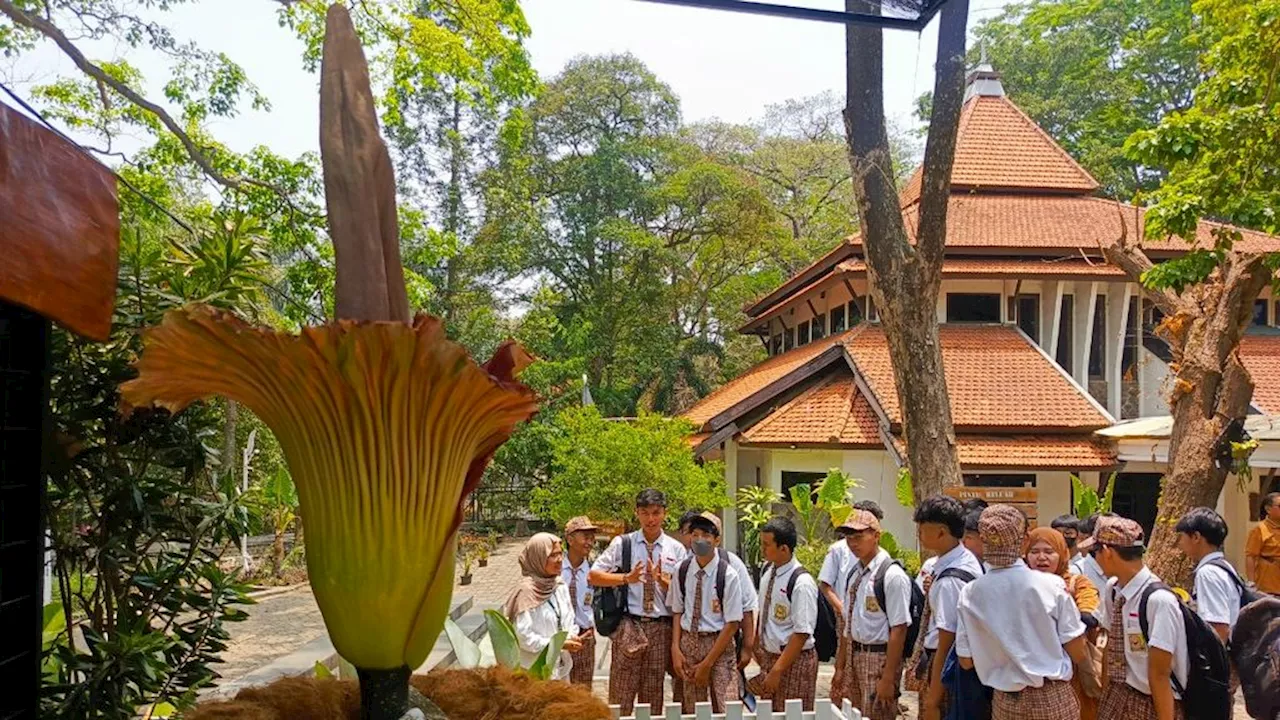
(982, 51)
(983, 80)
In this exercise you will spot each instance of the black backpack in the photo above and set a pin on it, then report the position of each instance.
(915, 607)
(610, 603)
(1247, 595)
(825, 637)
(1207, 695)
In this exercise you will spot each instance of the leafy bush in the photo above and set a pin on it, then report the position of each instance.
(910, 559)
(755, 507)
(504, 648)
(599, 465)
(1087, 501)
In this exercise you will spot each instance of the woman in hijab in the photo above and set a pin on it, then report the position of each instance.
(540, 607)
(1046, 551)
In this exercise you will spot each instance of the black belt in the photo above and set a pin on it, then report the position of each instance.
(877, 648)
(646, 618)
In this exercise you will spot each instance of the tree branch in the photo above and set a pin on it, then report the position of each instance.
(944, 121)
(1134, 262)
(51, 31)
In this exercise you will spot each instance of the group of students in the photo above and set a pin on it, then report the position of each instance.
(1021, 612)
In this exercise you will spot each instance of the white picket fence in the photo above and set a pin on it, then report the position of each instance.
(822, 710)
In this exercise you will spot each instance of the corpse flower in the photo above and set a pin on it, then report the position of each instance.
(386, 425)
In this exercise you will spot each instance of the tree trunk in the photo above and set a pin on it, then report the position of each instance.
(453, 211)
(277, 552)
(905, 278)
(1211, 389)
(230, 459)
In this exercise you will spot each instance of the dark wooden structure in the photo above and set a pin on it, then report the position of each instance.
(59, 245)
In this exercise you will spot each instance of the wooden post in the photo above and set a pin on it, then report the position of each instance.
(24, 390)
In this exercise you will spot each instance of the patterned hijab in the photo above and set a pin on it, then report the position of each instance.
(536, 586)
(1059, 545)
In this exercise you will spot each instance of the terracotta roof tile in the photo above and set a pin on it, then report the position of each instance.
(832, 412)
(995, 377)
(757, 378)
(999, 148)
(1261, 357)
(1034, 451)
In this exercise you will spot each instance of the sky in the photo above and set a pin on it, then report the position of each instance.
(721, 65)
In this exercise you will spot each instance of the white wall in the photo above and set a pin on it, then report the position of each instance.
(1152, 374)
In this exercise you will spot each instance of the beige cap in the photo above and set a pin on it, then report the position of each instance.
(860, 520)
(715, 520)
(582, 522)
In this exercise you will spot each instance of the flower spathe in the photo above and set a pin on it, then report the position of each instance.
(386, 428)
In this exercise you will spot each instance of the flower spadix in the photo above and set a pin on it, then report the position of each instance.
(386, 428)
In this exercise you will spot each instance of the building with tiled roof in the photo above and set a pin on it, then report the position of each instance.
(1044, 344)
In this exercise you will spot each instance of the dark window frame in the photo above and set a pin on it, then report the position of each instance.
(1029, 323)
(961, 310)
(818, 327)
(791, 478)
(840, 313)
(1066, 342)
(1098, 343)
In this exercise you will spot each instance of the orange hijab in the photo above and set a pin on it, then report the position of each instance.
(1059, 545)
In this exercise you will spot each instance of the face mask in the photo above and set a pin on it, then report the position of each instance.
(702, 547)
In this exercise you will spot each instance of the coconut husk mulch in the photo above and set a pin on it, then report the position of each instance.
(488, 694)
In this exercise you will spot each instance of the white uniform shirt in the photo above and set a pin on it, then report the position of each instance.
(865, 621)
(668, 552)
(836, 566)
(749, 596)
(714, 616)
(787, 616)
(1076, 563)
(926, 569)
(1090, 568)
(534, 629)
(1217, 596)
(1013, 623)
(582, 612)
(1165, 621)
(944, 594)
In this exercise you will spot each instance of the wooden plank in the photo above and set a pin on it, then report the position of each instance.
(60, 228)
(994, 495)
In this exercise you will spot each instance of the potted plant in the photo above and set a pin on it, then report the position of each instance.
(467, 558)
(482, 555)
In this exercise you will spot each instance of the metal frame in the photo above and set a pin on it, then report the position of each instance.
(793, 12)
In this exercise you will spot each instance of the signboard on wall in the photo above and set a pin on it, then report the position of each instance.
(1025, 499)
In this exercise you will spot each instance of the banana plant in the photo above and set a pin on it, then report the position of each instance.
(504, 648)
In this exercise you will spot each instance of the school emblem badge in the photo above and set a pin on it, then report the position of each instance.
(715, 605)
(873, 605)
(780, 612)
(586, 598)
(1136, 643)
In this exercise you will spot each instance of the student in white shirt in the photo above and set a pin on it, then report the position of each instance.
(1088, 564)
(788, 616)
(940, 526)
(1201, 533)
(579, 539)
(1069, 526)
(706, 602)
(833, 584)
(637, 671)
(1019, 628)
(1145, 691)
(540, 607)
(875, 634)
(747, 628)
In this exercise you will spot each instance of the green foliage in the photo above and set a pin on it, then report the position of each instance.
(1223, 149)
(599, 465)
(755, 507)
(504, 648)
(910, 559)
(1092, 73)
(903, 489)
(1087, 502)
(810, 556)
(819, 509)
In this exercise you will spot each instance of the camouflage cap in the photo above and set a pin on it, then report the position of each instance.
(860, 520)
(582, 522)
(715, 520)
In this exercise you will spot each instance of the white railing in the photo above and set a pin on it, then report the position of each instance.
(822, 710)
